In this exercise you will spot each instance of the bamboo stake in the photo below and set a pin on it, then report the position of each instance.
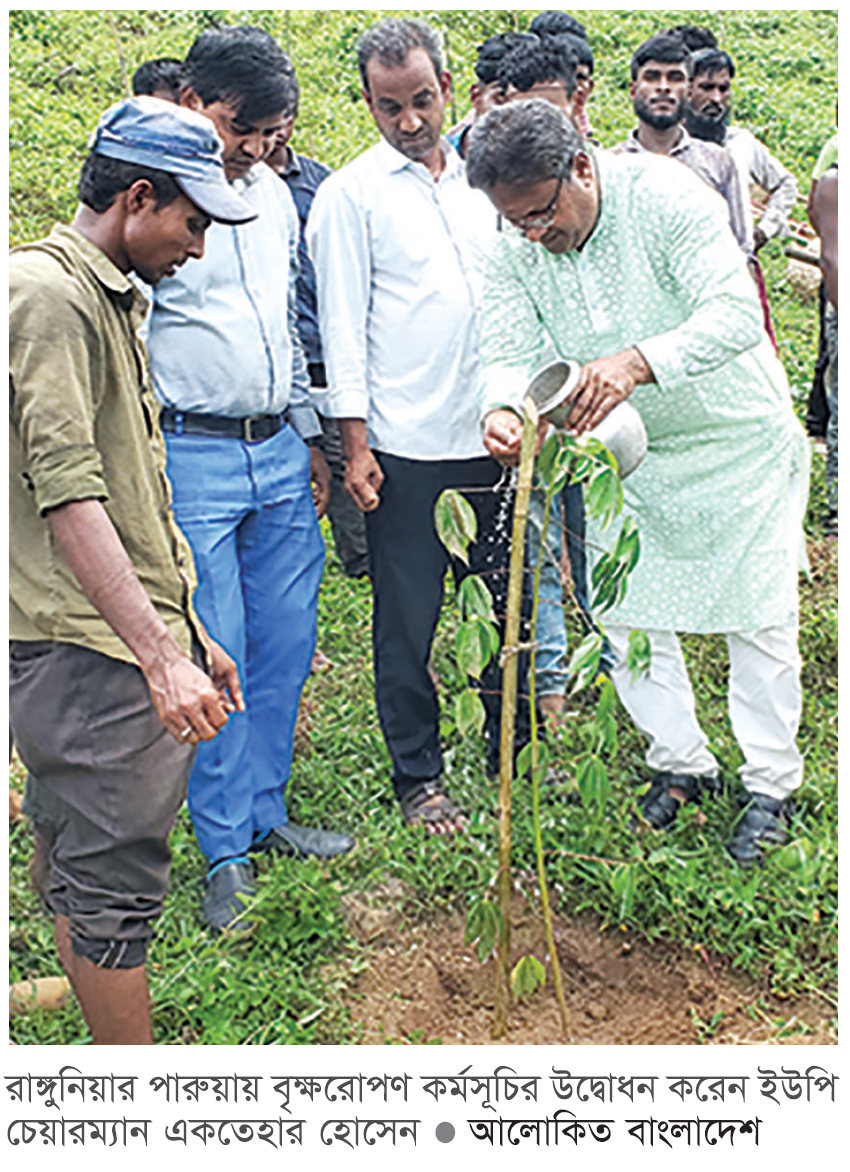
(535, 779)
(510, 652)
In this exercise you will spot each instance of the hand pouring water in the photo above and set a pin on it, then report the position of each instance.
(621, 431)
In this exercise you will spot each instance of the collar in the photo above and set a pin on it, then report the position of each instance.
(633, 143)
(393, 161)
(250, 177)
(115, 282)
(293, 166)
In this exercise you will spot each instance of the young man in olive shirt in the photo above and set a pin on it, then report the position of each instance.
(107, 697)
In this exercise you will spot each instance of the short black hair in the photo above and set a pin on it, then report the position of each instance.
(103, 179)
(695, 36)
(391, 40)
(244, 66)
(162, 73)
(668, 50)
(711, 61)
(494, 50)
(551, 59)
(520, 144)
(557, 24)
(581, 50)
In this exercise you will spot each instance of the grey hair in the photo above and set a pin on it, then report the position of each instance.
(520, 144)
(392, 39)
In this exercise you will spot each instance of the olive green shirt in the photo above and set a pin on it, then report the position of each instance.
(83, 426)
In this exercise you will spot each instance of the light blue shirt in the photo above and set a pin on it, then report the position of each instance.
(222, 336)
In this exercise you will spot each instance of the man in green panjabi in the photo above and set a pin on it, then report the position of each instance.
(629, 266)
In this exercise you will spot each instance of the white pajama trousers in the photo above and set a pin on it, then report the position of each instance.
(765, 702)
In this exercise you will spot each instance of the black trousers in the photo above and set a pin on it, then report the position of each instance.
(408, 565)
(349, 532)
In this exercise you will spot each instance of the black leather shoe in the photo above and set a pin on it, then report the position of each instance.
(226, 891)
(659, 806)
(764, 823)
(305, 842)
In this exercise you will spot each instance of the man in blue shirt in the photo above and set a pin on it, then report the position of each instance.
(302, 176)
(227, 364)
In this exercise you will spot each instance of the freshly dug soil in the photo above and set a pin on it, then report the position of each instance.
(423, 985)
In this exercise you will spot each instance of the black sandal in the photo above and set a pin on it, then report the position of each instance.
(427, 804)
(763, 824)
(659, 806)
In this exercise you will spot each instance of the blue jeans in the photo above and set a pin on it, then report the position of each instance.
(566, 514)
(247, 512)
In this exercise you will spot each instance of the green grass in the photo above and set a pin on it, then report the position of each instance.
(283, 983)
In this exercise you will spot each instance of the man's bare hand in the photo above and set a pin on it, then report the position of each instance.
(602, 385)
(363, 479)
(363, 475)
(187, 701)
(320, 481)
(225, 675)
(503, 436)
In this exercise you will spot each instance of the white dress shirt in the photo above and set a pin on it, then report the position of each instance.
(399, 262)
(222, 334)
(756, 164)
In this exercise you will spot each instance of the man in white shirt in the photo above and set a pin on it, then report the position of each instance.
(398, 240)
(229, 370)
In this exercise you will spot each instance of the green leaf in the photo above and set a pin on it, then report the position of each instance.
(469, 713)
(523, 761)
(584, 663)
(475, 599)
(605, 731)
(624, 883)
(592, 781)
(607, 695)
(639, 653)
(548, 455)
(455, 522)
(528, 974)
(476, 642)
(603, 495)
(482, 927)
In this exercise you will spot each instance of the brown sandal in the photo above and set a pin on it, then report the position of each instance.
(427, 804)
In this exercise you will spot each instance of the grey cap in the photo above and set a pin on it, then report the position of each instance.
(154, 133)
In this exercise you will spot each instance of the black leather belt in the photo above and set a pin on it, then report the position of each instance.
(250, 428)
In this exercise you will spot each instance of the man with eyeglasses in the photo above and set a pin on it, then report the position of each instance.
(229, 370)
(628, 266)
(398, 240)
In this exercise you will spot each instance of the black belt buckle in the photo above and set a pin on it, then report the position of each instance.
(259, 427)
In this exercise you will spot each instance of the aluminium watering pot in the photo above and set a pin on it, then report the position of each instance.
(621, 431)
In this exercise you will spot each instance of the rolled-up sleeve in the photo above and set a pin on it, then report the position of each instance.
(50, 358)
(338, 241)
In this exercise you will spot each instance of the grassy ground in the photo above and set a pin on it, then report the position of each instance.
(282, 984)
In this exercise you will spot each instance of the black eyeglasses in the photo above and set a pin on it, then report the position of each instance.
(539, 221)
